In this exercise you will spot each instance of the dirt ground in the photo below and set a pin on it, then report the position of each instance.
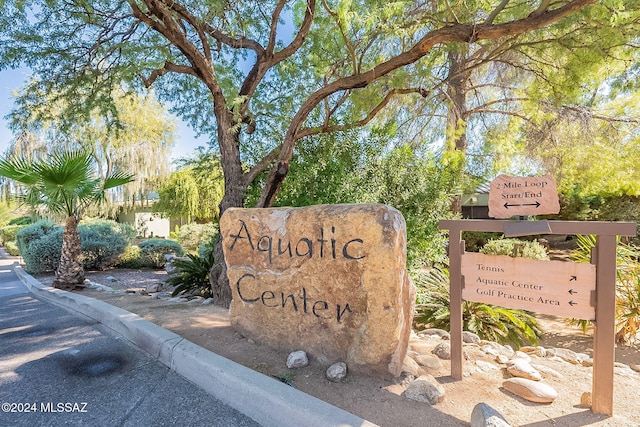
(380, 400)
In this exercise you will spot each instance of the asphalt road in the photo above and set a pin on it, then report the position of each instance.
(58, 368)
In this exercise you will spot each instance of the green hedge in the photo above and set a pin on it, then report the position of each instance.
(515, 248)
(8, 233)
(153, 251)
(12, 248)
(101, 241)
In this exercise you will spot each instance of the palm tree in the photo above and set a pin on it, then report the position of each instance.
(63, 183)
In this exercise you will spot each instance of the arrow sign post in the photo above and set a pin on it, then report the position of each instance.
(523, 196)
(551, 287)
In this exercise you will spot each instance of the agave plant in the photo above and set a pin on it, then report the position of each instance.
(191, 275)
(492, 323)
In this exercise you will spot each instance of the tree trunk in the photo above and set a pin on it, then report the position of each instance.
(235, 189)
(70, 273)
(457, 81)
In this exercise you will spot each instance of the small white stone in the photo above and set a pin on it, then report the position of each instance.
(297, 359)
(521, 368)
(425, 389)
(533, 391)
(336, 372)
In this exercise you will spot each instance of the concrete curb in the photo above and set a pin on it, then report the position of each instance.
(265, 400)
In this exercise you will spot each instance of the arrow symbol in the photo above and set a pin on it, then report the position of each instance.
(507, 205)
(571, 303)
(573, 278)
(571, 291)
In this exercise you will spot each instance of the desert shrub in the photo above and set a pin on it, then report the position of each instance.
(191, 236)
(130, 258)
(191, 275)
(40, 245)
(515, 248)
(8, 233)
(152, 251)
(12, 248)
(475, 240)
(102, 242)
(627, 287)
(492, 323)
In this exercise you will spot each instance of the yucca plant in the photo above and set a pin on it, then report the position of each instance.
(492, 323)
(627, 287)
(191, 275)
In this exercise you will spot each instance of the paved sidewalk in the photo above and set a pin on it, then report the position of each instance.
(62, 368)
(252, 395)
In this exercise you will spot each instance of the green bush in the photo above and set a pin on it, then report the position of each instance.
(475, 240)
(12, 248)
(492, 323)
(130, 258)
(22, 220)
(40, 245)
(515, 248)
(191, 275)
(8, 233)
(191, 236)
(102, 242)
(152, 251)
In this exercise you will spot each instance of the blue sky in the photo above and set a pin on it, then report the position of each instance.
(11, 80)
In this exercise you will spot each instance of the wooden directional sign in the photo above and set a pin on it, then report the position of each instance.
(550, 287)
(522, 196)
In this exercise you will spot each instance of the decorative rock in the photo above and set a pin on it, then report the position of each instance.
(438, 332)
(528, 349)
(523, 356)
(297, 359)
(521, 368)
(429, 362)
(546, 370)
(336, 372)
(635, 367)
(207, 301)
(111, 279)
(410, 366)
(154, 287)
(502, 359)
(484, 415)
(486, 366)
(586, 362)
(489, 350)
(329, 279)
(565, 354)
(533, 391)
(426, 389)
(470, 337)
(443, 351)
(585, 400)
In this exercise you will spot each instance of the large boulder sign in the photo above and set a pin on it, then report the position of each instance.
(327, 279)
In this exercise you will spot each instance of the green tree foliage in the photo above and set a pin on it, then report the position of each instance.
(64, 184)
(137, 136)
(195, 190)
(361, 173)
(266, 85)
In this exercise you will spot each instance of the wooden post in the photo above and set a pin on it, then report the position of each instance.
(456, 247)
(604, 331)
